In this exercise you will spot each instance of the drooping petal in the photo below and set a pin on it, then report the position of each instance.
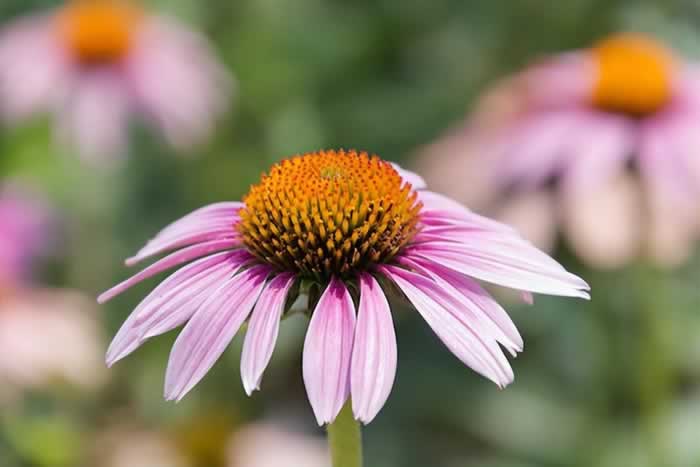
(618, 200)
(439, 210)
(600, 149)
(180, 303)
(209, 331)
(263, 329)
(199, 226)
(328, 352)
(462, 338)
(197, 90)
(99, 135)
(504, 259)
(539, 147)
(129, 337)
(479, 305)
(175, 259)
(33, 69)
(374, 352)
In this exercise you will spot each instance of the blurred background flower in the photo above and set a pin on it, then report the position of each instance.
(93, 63)
(387, 76)
(606, 132)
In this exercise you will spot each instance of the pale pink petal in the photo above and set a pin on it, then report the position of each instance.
(462, 338)
(413, 178)
(209, 331)
(620, 202)
(566, 79)
(175, 259)
(534, 215)
(672, 195)
(476, 302)
(128, 338)
(33, 68)
(539, 147)
(374, 352)
(600, 148)
(99, 134)
(207, 221)
(503, 259)
(263, 329)
(328, 351)
(439, 210)
(179, 304)
(197, 90)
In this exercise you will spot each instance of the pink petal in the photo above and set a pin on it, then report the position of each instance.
(128, 337)
(263, 329)
(209, 331)
(328, 351)
(476, 302)
(481, 354)
(197, 90)
(539, 147)
(179, 304)
(211, 222)
(100, 135)
(599, 151)
(413, 178)
(175, 259)
(33, 68)
(562, 80)
(374, 352)
(503, 259)
(439, 210)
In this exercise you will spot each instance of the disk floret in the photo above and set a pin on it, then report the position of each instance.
(329, 213)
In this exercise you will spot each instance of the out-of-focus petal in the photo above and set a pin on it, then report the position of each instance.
(197, 89)
(615, 241)
(99, 135)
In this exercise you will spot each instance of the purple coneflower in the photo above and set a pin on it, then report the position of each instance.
(606, 134)
(352, 226)
(94, 62)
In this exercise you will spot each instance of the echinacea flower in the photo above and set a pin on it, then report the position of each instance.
(350, 224)
(601, 140)
(93, 63)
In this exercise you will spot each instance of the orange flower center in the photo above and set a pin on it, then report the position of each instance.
(635, 75)
(329, 213)
(98, 31)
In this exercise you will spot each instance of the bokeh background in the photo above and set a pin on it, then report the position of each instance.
(614, 382)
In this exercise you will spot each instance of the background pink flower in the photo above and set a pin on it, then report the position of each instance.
(603, 133)
(92, 64)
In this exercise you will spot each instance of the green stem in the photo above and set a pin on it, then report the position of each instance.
(345, 439)
(655, 366)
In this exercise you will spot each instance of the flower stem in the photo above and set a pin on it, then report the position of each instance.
(345, 439)
(656, 375)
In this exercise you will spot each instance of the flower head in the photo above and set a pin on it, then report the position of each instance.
(349, 224)
(606, 132)
(89, 55)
